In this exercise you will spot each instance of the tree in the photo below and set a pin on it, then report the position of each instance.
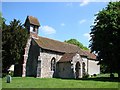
(0, 20)
(14, 38)
(76, 42)
(105, 35)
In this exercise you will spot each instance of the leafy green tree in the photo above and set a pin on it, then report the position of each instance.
(105, 35)
(0, 20)
(14, 38)
(76, 42)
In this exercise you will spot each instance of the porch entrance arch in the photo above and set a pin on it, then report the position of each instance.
(77, 70)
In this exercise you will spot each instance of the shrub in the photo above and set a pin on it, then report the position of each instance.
(111, 75)
(86, 75)
(11, 73)
(94, 75)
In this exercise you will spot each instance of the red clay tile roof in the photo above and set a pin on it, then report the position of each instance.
(33, 20)
(63, 47)
(67, 57)
(89, 54)
(55, 45)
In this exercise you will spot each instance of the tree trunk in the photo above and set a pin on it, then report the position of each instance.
(111, 75)
(119, 76)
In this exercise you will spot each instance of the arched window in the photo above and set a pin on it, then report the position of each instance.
(53, 64)
(83, 66)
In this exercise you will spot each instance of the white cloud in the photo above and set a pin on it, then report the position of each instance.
(82, 21)
(47, 29)
(84, 2)
(62, 24)
(87, 35)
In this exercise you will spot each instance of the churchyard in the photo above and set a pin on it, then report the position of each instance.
(100, 81)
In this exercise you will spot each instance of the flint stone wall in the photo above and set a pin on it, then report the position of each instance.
(45, 58)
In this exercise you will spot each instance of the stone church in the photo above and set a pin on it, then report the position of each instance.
(48, 58)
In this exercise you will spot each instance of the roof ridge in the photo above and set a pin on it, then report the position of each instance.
(33, 17)
(59, 41)
(59, 46)
(33, 20)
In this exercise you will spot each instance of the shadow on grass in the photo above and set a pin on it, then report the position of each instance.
(104, 79)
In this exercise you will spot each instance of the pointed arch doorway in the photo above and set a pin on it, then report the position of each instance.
(78, 70)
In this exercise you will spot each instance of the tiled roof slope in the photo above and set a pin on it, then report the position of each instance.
(67, 57)
(89, 54)
(55, 45)
(62, 47)
(33, 20)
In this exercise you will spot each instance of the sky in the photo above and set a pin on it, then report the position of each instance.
(59, 20)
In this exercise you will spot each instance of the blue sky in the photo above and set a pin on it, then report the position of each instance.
(59, 20)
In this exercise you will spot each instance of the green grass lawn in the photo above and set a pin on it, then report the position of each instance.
(0, 83)
(31, 82)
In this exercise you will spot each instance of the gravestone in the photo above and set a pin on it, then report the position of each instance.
(8, 78)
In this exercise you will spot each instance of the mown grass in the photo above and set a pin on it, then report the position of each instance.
(31, 82)
(0, 83)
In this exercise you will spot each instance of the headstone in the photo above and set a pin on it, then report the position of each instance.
(8, 79)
